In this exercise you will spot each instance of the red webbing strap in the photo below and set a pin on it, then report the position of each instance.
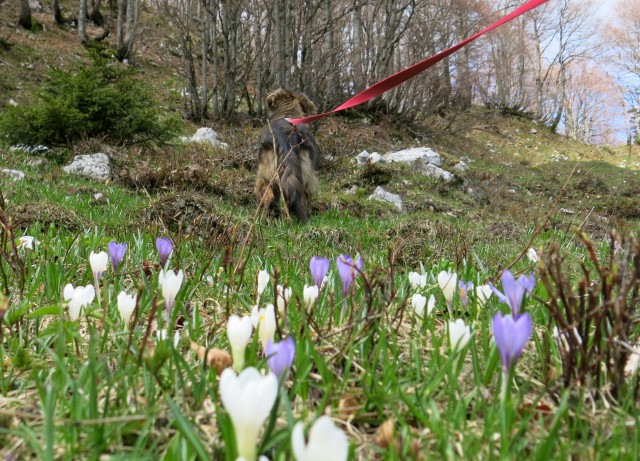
(410, 72)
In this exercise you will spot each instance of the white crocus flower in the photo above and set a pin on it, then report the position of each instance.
(248, 398)
(162, 335)
(263, 281)
(310, 294)
(170, 283)
(27, 242)
(126, 305)
(98, 263)
(418, 302)
(417, 280)
(326, 442)
(459, 334)
(78, 298)
(483, 293)
(532, 254)
(239, 334)
(283, 297)
(448, 282)
(264, 320)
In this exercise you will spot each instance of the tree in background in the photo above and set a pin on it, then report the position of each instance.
(624, 35)
(25, 15)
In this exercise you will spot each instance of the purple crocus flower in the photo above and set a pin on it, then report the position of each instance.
(463, 289)
(319, 267)
(164, 246)
(280, 355)
(514, 290)
(116, 253)
(348, 270)
(511, 335)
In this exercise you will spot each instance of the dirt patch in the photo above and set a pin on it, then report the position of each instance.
(408, 241)
(45, 214)
(591, 184)
(197, 215)
(188, 168)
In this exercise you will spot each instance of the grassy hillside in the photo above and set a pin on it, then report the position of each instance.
(97, 387)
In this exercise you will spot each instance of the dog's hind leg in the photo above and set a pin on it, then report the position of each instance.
(267, 184)
(293, 191)
(309, 179)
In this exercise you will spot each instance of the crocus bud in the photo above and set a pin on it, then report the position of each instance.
(116, 252)
(283, 297)
(448, 282)
(239, 334)
(280, 355)
(98, 263)
(417, 280)
(27, 242)
(326, 442)
(126, 305)
(310, 295)
(170, 283)
(511, 335)
(78, 298)
(248, 398)
(483, 293)
(348, 269)
(459, 334)
(263, 281)
(165, 247)
(319, 267)
(463, 291)
(264, 320)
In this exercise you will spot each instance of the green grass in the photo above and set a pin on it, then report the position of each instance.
(88, 388)
(94, 389)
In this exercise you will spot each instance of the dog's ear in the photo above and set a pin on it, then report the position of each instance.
(272, 98)
(307, 106)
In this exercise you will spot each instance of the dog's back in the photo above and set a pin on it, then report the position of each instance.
(296, 160)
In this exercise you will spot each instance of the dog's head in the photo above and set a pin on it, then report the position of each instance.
(284, 103)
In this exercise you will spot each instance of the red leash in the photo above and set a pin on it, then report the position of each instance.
(410, 72)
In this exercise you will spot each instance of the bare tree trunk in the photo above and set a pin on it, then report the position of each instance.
(25, 15)
(122, 10)
(125, 28)
(82, 22)
(214, 62)
(359, 74)
(230, 19)
(57, 12)
(281, 34)
(206, 25)
(95, 15)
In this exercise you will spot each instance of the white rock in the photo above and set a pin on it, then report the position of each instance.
(93, 166)
(374, 158)
(423, 154)
(206, 134)
(15, 175)
(12, 102)
(365, 158)
(461, 166)
(362, 157)
(39, 149)
(433, 171)
(382, 195)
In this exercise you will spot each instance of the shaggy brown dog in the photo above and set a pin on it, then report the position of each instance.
(288, 156)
